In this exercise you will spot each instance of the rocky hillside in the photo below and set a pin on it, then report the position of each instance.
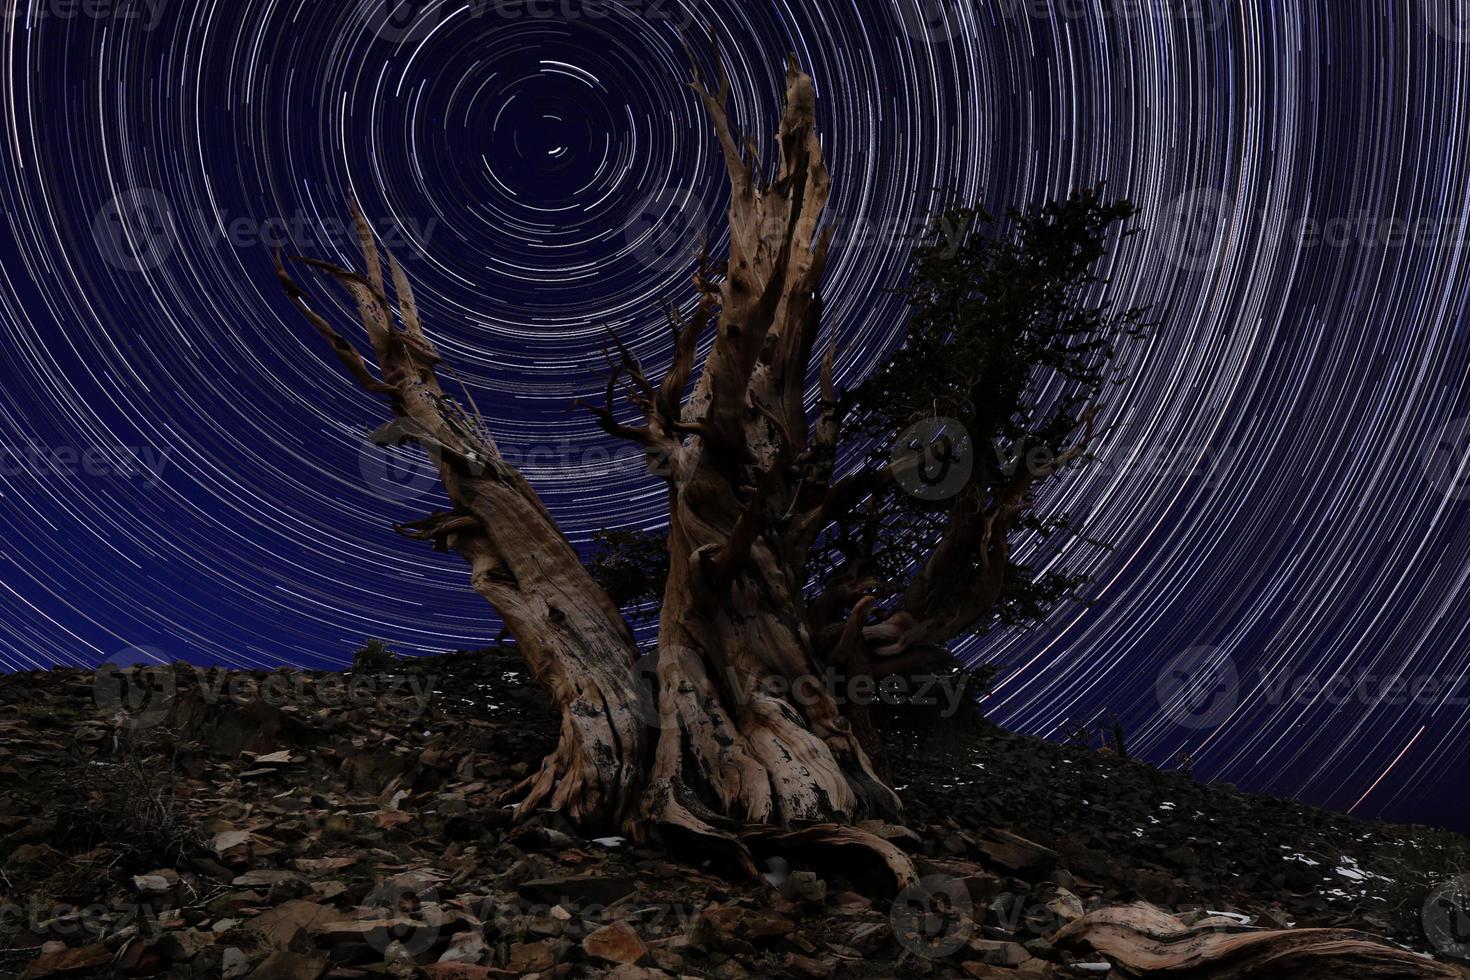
(304, 825)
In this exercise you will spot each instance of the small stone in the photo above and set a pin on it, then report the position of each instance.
(231, 844)
(530, 957)
(467, 947)
(615, 943)
(290, 966)
(264, 878)
(398, 961)
(68, 961)
(1000, 953)
(577, 889)
(460, 971)
(234, 963)
(1066, 907)
(280, 926)
(805, 887)
(806, 966)
(156, 882)
(178, 947)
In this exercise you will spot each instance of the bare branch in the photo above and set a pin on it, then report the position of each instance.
(349, 356)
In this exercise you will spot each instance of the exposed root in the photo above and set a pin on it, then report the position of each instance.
(845, 842)
(1146, 942)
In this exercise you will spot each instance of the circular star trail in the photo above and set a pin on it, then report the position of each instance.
(1282, 484)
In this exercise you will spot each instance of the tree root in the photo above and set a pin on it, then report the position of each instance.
(1144, 941)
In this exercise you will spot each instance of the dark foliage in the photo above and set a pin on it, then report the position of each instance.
(1008, 338)
(631, 567)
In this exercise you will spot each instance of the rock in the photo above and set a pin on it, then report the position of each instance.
(155, 882)
(291, 966)
(530, 957)
(234, 963)
(373, 771)
(615, 942)
(804, 887)
(762, 924)
(64, 961)
(984, 971)
(280, 927)
(307, 843)
(806, 966)
(1065, 907)
(1182, 857)
(999, 953)
(320, 865)
(34, 855)
(398, 961)
(376, 931)
(232, 845)
(178, 947)
(462, 971)
(264, 878)
(137, 958)
(1018, 855)
(625, 971)
(577, 889)
(467, 947)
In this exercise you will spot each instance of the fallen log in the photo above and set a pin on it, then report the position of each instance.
(1143, 941)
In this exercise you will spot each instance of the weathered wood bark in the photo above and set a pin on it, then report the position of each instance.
(1143, 941)
(744, 735)
(744, 746)
(573, 637)
(747, 731)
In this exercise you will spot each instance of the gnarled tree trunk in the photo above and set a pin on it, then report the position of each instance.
(745, 729)
(741, 737)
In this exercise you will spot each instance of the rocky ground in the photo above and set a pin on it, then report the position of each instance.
(303, 825)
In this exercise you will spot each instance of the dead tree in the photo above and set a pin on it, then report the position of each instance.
(745, 743)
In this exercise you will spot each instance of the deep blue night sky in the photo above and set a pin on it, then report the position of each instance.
(1282, 486)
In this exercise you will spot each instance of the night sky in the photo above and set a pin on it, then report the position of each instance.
(1284, 485)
